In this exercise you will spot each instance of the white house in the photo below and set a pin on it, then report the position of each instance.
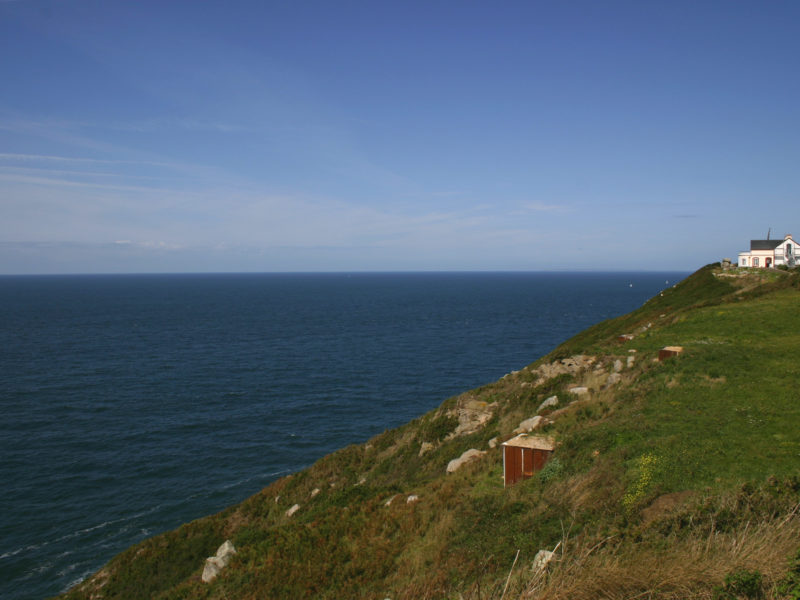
(771, 253)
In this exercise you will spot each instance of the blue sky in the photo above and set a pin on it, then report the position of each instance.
(344, 136)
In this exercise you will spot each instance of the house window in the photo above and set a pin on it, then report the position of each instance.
(788, 250)
(755, 261)
(744, 262)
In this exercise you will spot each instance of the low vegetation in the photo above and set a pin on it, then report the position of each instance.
(672, 479)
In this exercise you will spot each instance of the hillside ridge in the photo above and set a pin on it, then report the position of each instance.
(673, 478)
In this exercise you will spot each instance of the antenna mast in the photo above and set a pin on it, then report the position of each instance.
(768, 232)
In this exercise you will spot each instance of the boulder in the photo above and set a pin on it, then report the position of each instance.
(215, 564)
(292, 510)
(412, 498)
(542, 559)
(579, 390)
(617, 366)
(550, 402)
(530, 424)
(493, 442)
(467, 456)
(613, 379)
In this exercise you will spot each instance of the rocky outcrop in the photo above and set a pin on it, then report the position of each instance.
(467, 456)
(570, 366)
(215, 564)
(472, 415)
(531, 424)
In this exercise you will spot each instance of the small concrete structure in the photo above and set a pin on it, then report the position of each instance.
(524, 455)
(669, 352)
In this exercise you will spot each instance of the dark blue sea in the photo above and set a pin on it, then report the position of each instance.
(133, 403)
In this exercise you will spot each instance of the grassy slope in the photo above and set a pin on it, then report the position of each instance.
(683, 472)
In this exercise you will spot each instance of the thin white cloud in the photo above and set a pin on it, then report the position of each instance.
(81, 159)
(542, 207)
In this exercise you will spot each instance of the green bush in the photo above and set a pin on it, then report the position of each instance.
(789, 587)
(741, 584)
(551, 471)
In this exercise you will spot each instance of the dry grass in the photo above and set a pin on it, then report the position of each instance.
(686, 568)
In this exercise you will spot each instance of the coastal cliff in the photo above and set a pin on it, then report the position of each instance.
(673, 476)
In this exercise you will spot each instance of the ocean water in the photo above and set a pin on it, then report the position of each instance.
(133, 403)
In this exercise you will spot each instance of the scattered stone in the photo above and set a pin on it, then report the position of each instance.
(579, 391)
(467, 456)
(617, 366)
(277, 498)
(292, 510)
(425, 448)
(632, 350)
(389, 501)
(542, 559)
(361, 481)
(631, 360)
(412, 498)
(530, 424)
(314, 492)
(613, 379)
(215, 564)
(550, 402)
(625, 337)
(493, 442)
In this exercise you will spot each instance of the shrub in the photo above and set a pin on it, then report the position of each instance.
(551, 471)
(740, 584)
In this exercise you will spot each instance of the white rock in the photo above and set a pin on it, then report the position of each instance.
(613, 379)
(579, 391)
(631, 360)
(550, 402)
(214, 564)
(292, 510)
(412, 498)
(467, 456)
(493, 442)
(314, 492)
(542, 559)
(389, 501)
(530, 424)
(617, 366)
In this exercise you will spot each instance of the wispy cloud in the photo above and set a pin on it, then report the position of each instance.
(79, 159)
(543, 207)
